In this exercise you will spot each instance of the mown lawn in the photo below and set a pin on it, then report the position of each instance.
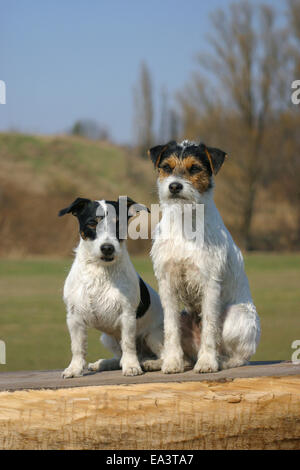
(32, 313)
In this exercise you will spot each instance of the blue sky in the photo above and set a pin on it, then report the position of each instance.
(63, 60)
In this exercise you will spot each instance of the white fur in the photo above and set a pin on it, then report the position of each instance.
(105, 296)
(207, 278)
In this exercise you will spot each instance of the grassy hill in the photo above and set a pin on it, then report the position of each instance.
(40, 175)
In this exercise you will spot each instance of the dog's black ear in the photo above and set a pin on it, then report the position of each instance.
(134, 207)
(155, 153)
(75, 207)
(215, 157)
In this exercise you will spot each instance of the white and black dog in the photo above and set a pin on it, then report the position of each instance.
(104, 291)
(207, 278)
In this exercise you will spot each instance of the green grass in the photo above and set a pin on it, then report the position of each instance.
(32, 313)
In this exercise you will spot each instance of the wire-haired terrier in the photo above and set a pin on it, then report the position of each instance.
(104, 291)
(207, 277)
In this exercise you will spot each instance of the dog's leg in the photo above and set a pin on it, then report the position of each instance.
(155, 341)
(129, 361)
(78, 335)
(208, 360)
(190, 336)
(172, 354)
(105, 364)
(240, 334)
(108, 364)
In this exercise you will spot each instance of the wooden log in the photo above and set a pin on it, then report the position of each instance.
(235, 413)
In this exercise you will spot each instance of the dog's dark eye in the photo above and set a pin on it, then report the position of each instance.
(166, 168)
(194, 169)
(93, 223)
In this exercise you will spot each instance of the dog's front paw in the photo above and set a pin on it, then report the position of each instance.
(173, 365)
(72, 371)
(206, 363)
(131, 370)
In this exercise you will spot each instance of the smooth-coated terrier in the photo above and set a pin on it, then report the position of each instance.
(207, 278)
(104, 291)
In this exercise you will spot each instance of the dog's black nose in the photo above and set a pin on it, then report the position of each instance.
(175, 188)
(107, 249)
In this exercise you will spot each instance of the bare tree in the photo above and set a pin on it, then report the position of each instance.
(143, 101)
(294, 27)
(290, 125)
(239, 93)
(170, 123)
(175, 124)
(163, 131)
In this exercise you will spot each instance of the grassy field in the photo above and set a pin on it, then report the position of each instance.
(32, 314)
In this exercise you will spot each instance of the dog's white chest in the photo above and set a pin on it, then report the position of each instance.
(185, 268)
(104, 308)
(97, 300)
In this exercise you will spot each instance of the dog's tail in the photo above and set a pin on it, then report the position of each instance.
(190, 334)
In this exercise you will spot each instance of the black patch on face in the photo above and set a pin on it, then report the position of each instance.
(144, 300)
(89, 214)
(198, 151)
(210, 157)
(85, 211)
(88, 221)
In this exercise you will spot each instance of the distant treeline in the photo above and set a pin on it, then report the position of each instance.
(240, 100)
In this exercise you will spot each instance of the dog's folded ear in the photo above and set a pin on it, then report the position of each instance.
(75, 207)
(155, 153)
(215, 157)
(133, 207)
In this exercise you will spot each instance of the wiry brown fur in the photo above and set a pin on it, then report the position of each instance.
(181, 167)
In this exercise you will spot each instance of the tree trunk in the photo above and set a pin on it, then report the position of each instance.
(248, 413)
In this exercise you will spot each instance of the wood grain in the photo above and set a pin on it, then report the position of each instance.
(248, 413)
